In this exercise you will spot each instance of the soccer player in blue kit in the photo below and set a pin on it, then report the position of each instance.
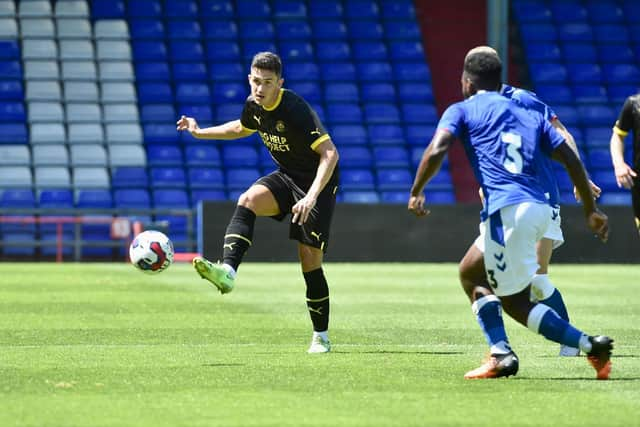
(472, 272)
(504, 142)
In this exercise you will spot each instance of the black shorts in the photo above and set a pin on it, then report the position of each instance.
(314, 232)
(635, 200)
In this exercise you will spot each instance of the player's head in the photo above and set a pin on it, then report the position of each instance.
(482, 71)
(266, 78)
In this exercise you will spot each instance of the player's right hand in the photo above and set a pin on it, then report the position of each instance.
(599, 224)
(625, 175)
(187, 123)
(416, 206)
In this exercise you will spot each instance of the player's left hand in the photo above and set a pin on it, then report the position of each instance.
(595, 191)
(598, 222)
(302, 209)
(416, 206)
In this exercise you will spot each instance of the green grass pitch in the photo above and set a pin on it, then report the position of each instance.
(105, 345)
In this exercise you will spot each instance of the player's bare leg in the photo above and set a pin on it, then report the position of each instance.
(317, 297)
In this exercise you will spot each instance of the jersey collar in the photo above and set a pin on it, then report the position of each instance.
(276, 103)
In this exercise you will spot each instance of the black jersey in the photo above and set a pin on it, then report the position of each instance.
(290, 130)
(629, 120)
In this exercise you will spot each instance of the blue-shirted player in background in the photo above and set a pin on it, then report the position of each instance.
(503, 142)
(472, 272)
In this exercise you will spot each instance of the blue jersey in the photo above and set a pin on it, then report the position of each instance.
(530, 101)
(504, 143)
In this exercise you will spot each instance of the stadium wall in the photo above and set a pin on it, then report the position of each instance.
(388, 233)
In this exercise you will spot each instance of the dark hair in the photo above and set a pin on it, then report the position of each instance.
(484, 68)
(267, 61)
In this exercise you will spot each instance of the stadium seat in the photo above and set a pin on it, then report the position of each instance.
(419, 113)
(394, 197)
(568, 12)
(229, 92)
(230, 71)
(88, 155)
(394, 179)
(531, 32)
(50, 155)
(338, 71)
(220, 50)
(411, 71)
(540, 51)
(202, 112)
(420, 135)
(386, 134)
(362, 9)
(584, 73)
(41, 70)
(596, 115)
(329, 30)
(47, 133)
(120, 92)
(239, 155)
(390, 157)
(125, 133)
(126, 155)
(187, 30)
(415, 92)
(43, 91)
(303, 51)
(164, 155)
(15, 155)
(16, 176)
(206, 178)
(154, 93)
(293, 30)
(355, 157)
(167, 177)
(554, 94)
(89, 177)
(378, 92)
(10, 89)
(149, 50)
(206, 195)
(401, 30)
(381, 113)
(615, 198)
(253, 9)
(55, 198)
(440, 197)
(147, 29)
(406, 51)
(360, 197)
(52, 177)
(241, 178)
(107, 10)
(38, 112)
(193, 93)
(344, 113)
(621, 73)
(354, 134)
(93, 199)
(8, 28)
(333, 51)
(131, 198)
(590, 94)
(341, 92)
(160, 133)
(13, 133)
(547, 72)
(373, 71)
(357, 179)
(121, 113)
(369, 50)
(574, 52)
(220, 30)
(300, 71)
(129, 177)
(12, 112)
(326, 9)
(116, 71)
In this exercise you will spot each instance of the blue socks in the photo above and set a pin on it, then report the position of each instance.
(546, 322)
(488, 311)
(543, 291)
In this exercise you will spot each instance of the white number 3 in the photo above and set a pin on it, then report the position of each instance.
(513, 159)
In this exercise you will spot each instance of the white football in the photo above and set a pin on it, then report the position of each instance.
(151, 251)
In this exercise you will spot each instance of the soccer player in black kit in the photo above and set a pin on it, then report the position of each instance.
(627, 176)
(304, 185)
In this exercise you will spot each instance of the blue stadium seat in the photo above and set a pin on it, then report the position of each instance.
(131, 198)
(129, 177)
(183, 29)
(144, 9)
(241, 178)
(597, 136)
(216, 9)
(189, 71)
(567, 114)
(13, 133)
(584, 73)
(357, 179)
(361, 9)
(310, 91)
(575, 32)
(442, 180)
(599, 158)
(206, 178)
(222, 51)
(149, 50)
(605, 12)
(596, 115)
(158, 113)
(293, 30)
(402, 30)
(378, 92)
(329, 30)
(618, 54)
(202, 155)
(538, 32)
(619, 92)
(339, 71)
(250, 48)
(325, 9)
(10, 70)
(253, 9)
(373, 71)
(590, 93)
(227, 112)
(369, 50)
(606, 179)
(365, 30)
(536, 12)
(370, 197)
(107, 9)
(12, 89)
(406, 51)
(394, 179)
(146, 29)
(554, 94)
(164, 155)
(93, 199)
(186, 50)
(220, 30)
(355, 157)
(419, 113)
(386, 134)
(543, 51)
(152, 71)
(341, 92)
(181, 9)
(173, 199)
(568, 11)
(631, 12)
(160, 133)
(342, 113)
(415, 92)
(333, 51)
(411, 71)
(547, 72)
(193, 93)
(394, 197)
(202, 112)
(621, 73)
(12, 112)
(239, 155)
(289, 9)
(302, 71)
(9, 49)
(579, 52)
(207, 195)
(391, 156)
(354, 134)
(615, 198)
(381, 113)
(440, 197)
(167, 177)
(227, 71)
(420, 135)
(59, 198)
(256, 30)
(611, 34)
(229, 92)
(398, 10)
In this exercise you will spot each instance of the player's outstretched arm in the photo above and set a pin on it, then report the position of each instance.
(428, 167)
(624, 173)
(596, 220)
(229, 130)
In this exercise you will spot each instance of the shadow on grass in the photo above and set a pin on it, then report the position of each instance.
(222, 365)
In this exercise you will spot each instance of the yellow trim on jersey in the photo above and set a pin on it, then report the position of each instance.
(239, 237)
(247, 129)
(318, 300)
(319, 141)
(620, 132)
(277, 101)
